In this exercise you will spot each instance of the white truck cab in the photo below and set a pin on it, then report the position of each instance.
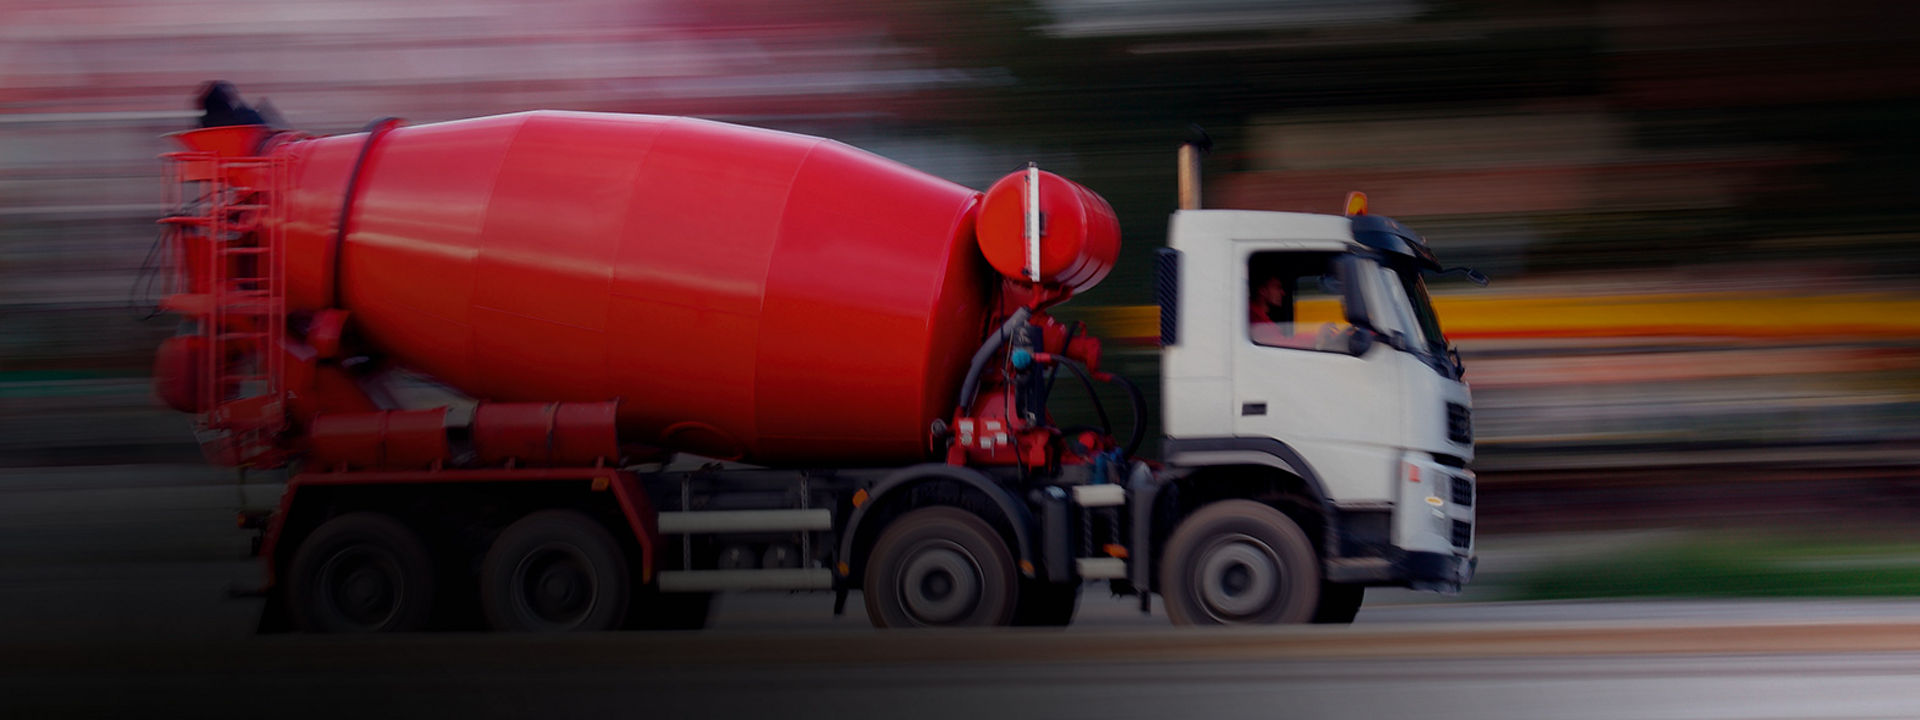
(1303, 366)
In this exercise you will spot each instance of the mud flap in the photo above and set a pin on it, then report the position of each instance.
(273, 617)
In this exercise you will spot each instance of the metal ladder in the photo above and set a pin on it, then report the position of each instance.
(226, 229)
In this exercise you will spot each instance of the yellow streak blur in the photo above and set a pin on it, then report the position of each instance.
(1736, 314)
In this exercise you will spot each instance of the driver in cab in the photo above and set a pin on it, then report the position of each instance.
(1270, 316)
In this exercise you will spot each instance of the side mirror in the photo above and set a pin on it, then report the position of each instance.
(1346, 277)
(1396, 340)
(1360, 341)
(1474, 276)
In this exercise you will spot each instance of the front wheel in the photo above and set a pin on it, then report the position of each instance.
(940, 567)
(1238, 562)
(554, 571)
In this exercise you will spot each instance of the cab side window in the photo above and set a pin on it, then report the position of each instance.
(1294, 300)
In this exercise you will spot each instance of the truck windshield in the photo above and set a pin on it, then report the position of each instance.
(1429, 321)
(1410, 310)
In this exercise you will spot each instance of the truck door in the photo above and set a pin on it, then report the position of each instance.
(1297, 379)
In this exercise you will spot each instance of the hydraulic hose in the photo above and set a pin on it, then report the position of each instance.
(159, 258)
(970, 387)
(1087, 381)
(1139, 416)
(1072, 330)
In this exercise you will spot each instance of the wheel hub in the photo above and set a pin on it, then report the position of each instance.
(941, 583)
(1239, 577)
(555, 583)
(366, 589)
(363, 585)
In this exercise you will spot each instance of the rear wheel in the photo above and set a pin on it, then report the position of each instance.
(1238, 562)
(554, 571)
(360, 572)
(940, 567)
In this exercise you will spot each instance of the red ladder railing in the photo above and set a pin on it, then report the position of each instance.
(225, 229)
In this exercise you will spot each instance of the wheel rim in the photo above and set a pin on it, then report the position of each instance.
(555, 585)
(1239, 578)
(940, 583)
(363, 585)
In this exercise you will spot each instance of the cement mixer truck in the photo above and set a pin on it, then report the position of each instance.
(692, 358)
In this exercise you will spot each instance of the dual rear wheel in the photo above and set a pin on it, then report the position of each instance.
(550, 571)
(554, 571)
(361, 572)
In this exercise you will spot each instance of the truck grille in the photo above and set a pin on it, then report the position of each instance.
(1459, 424)
(1462, 534)
(1166, 292)
(1462, 491)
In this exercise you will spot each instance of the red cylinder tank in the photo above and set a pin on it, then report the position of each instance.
(745, 293)
(1079, 234)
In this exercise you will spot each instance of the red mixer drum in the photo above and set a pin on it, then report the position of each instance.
(745, 293)
(1079, 234)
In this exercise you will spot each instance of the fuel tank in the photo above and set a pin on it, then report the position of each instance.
(744, 293)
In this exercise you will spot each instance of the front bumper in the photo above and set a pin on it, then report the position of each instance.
(1434, 510)
(1437, 572)
(1429, 571)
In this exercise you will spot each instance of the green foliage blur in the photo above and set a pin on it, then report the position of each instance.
(1733, 566)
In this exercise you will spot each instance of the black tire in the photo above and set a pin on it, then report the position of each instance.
(554, 571)
(1238, 562)
(1339, 603)
(359, 573)
(940, 567)
(1044, 604)
(655, 610)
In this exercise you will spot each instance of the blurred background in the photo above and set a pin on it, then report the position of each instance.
(1697, 370)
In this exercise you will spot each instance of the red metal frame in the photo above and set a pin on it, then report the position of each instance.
(624, 485)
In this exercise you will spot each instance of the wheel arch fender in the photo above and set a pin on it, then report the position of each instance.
(891, 489)
(1193, 460)
(1209, 452)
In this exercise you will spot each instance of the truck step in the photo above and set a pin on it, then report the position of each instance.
(744, 521)
(1101, 568)
(720, 580)
(1099, 495)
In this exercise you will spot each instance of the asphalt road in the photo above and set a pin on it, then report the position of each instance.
(1475, 672)
(112, 603)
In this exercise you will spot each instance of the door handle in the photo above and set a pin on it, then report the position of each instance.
(1253, 408)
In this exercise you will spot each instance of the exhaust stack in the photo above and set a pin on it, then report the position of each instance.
(1197, 145)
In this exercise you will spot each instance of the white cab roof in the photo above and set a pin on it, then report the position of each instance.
(1302, 231)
